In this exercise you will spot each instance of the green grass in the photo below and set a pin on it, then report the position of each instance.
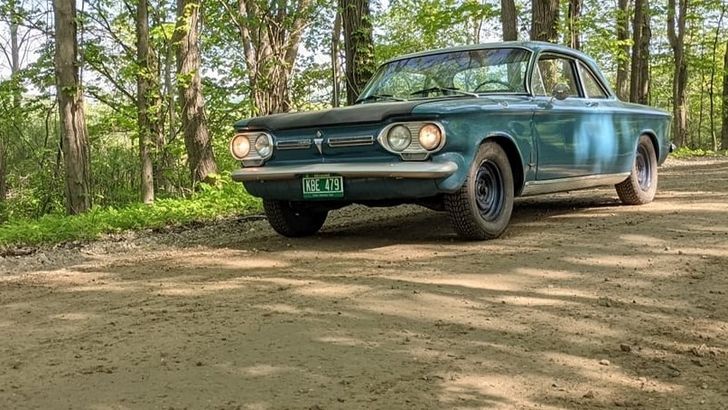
(226, 198)
(684, 152)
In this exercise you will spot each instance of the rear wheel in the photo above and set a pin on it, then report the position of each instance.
(291, 221)
(641, 185)
(482, 208)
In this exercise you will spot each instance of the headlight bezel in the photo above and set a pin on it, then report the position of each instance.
(254, 157)
(414, 151)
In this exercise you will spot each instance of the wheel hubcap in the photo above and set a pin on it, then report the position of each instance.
(644, 169)
(489, 191)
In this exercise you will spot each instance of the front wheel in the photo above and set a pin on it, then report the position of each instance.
(291, 221)
(641, 185)
(482, 208)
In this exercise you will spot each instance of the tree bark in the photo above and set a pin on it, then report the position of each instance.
(358, 45)
(640, 69)
(623, 57)
(545, 20)
(74, 138)
(574, 30)
(271, 37)
(335, 62)
(711, 90)
(724, 131)
(144, 90)
(508, 20)
(676, 35)
(198, 144)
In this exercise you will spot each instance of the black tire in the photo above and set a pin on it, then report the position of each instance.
(641, 185)
(293, 222)
(482, 208)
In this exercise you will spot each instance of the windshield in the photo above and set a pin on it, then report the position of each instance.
(458, 73)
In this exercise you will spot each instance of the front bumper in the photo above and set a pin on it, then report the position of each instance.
(399, 170)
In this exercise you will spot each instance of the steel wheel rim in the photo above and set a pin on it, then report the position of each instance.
(644, 169)
(489, 192)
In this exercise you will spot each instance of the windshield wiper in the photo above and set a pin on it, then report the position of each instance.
(375, 97)
(445, 91)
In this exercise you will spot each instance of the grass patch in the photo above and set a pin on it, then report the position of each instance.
(685, 152)
(226, 198)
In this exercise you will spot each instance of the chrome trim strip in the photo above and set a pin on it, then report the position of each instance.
(294, 144)
(419, 170)
(360, 140)
(551, 186)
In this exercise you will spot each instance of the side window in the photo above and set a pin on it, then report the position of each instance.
(537, 82)
(591, 84)
(558, 70)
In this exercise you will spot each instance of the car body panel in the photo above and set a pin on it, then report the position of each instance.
(553, 145)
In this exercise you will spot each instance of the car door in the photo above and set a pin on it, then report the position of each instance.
(572, 133)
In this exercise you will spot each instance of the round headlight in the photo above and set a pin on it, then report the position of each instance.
(240, 147)
(263, 145)
(399, 138)
(430, 137)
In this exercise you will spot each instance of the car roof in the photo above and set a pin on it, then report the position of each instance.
(534, 46)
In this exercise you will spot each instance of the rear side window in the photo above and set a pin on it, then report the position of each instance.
(592, 86)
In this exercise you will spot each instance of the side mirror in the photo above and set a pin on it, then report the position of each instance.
(561, 91)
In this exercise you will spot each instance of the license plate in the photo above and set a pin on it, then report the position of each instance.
(323, 186)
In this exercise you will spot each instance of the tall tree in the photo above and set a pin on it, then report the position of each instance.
(358, 45)
(10, 15)
(74, 138)
(676, 35)
(198, 143)
(640, 69)
(508, 20)
(623, 43)
(145, 73)
(714, 63)
(545, 20)
(335, 61)
(271, 33)
(724, 131)
(573, 25)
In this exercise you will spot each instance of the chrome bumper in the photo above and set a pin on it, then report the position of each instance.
(422, 170)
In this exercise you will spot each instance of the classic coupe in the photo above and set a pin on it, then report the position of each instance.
(462, 130)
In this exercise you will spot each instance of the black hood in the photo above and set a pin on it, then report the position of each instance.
(355, 114)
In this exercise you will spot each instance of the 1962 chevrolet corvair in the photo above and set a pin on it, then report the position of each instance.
(464, 130)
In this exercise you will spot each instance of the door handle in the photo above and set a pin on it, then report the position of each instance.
(592, 104)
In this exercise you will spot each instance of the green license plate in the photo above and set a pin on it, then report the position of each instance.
(323, 186)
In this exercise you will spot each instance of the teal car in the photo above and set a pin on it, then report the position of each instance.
(462, 130)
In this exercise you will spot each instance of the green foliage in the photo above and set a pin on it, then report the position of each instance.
(686, 152)
(211, 202)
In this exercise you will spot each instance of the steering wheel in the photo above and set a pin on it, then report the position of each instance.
(486, 82)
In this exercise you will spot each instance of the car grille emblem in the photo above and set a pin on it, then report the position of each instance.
(319, 141)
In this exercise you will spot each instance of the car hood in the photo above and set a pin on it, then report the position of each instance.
(355, 114)
(375, 112)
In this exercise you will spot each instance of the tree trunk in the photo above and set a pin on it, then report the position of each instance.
(358, 45)
(640, 70)
(74, 138)
(676, 35)
(508, 20)
(335, 62)
(13, 24)
(574, 30)
(144, 91)
(711, 90)
(623, 57)
(163, 161)
(545, 20)
(724, 131)
(271, 37)
(198, 144)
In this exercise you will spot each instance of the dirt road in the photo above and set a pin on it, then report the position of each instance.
(583, 304)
